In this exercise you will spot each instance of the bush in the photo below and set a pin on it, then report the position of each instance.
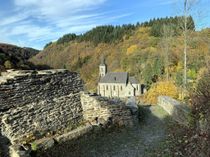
(8, 64)
(164, 88)
(199, 139)
(201, 100)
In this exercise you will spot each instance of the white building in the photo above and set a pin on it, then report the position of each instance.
(117, 84)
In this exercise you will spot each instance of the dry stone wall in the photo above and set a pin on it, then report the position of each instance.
(102, 111)
(18, 88)
(50, 104)
(176, 109)
(38, 102)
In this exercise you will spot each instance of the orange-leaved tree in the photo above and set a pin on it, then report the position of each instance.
(162, 88)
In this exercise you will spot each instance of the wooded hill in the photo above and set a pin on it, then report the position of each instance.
(137, 49)
(15, 57)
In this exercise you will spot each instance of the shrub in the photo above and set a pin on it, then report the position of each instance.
(33, 146)
(167, 88)
(198, 136)
(8, 64)
(200, 101)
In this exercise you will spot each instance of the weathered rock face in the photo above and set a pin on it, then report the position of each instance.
(100, 111)
(39, 102)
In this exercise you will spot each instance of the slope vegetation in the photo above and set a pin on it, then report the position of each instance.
(15, 57)
(138, 49)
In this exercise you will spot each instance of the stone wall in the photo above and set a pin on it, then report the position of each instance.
(102, 111)
(176, 109)
(49, 104)
(18, 88)
(35, 103)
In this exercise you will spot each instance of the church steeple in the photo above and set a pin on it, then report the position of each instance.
(102, 68)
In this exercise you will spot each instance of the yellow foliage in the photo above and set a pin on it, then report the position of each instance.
(131, 49)
(179, 67)
(164, 88)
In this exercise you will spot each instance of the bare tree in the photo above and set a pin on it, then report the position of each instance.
(188, 4)
(185, 25)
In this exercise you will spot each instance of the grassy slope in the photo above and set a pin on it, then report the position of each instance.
(133, 54)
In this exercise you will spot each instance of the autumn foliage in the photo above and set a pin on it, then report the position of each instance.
(160, 89)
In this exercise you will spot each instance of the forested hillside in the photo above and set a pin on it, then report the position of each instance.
(139, 49)
(15, 57)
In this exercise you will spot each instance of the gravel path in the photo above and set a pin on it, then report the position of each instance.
(139, 141)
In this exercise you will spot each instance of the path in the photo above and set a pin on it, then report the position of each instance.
(136, 142)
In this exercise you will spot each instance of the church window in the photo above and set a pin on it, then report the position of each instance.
(107, 87)
(121, 88)
(114, 87)
(137, 87)
(129, 93)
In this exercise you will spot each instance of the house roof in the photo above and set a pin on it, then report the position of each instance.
(115, 77)
(133, 80)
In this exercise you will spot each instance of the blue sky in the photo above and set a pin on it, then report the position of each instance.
(33, 23)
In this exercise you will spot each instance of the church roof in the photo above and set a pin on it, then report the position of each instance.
(115, 77)
(102, 64)
(133, 80)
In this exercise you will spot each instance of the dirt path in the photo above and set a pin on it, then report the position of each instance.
(139, 141)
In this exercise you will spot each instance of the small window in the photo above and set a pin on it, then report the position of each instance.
(114, 88)
(137, 87)
(107, 87)
(121, 88)
(115, 78)
(129, 93)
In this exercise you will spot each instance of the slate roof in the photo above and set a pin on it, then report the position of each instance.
(115, 77)
(133, 80)
(102, 64)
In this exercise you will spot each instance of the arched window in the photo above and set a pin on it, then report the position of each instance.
(114, 87)
(121, 88)
(107, 87)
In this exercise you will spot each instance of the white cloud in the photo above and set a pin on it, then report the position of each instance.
(166, 2)
(35, 22)
(13, 19)
(58, 7)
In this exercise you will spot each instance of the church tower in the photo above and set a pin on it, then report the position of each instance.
(102, 68)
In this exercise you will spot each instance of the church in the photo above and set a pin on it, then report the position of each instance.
(117, 84)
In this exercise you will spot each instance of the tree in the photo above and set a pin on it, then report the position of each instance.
(186, 24)
(167, 35)
(8, 64)
(48, 44)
